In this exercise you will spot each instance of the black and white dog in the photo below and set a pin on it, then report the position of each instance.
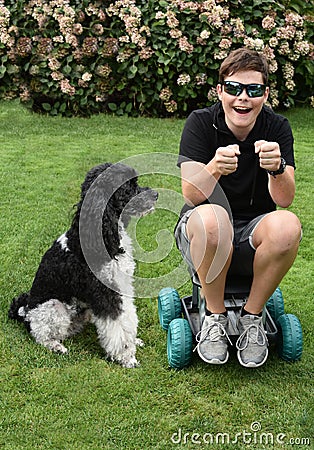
(87, 274)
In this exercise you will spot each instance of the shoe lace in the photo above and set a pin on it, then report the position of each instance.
(252, 335)
(213, 331)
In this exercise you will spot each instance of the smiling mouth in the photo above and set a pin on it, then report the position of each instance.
(241, 110)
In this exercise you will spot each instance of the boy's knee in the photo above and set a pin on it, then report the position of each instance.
(288, 227)
(210, 221)
(282, 230)
(210, 231)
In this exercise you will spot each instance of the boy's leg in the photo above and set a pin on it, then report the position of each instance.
(276, 239)
(207, 238)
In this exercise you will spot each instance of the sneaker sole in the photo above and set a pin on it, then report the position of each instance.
(214, 360)
(252, 364)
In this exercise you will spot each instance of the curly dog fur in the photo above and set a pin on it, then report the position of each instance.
(86, 277)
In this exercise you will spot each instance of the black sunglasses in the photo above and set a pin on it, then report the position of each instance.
(252, 90)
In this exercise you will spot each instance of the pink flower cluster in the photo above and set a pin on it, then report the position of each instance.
(268, 23)
(165, 94)
(66, 87)
(184, 45)
(24, 46)
(183, 79)
(287, 32)
(292, 18)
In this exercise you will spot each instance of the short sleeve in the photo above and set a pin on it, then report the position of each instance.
(197, 138)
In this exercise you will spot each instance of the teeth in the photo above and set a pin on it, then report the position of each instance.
(243, 110)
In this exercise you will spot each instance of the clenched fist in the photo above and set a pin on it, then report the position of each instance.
(269, 155)
(226, 159)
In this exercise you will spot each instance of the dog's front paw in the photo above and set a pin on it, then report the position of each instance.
(61, 349)
(56, 347)
(139, 342)
(126, 359)
(132, 363)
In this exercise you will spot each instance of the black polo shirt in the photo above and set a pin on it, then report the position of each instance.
(246, 189)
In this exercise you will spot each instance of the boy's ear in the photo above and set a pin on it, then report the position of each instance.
(219, 90)
(266, 94)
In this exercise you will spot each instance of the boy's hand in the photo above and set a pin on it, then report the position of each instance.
(226, 159)
(269, 154)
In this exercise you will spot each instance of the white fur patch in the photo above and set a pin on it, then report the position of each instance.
(118, 337)
(63, 241)
(50, 323)
(119, 272)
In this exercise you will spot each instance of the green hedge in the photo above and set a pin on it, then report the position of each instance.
(153, 57)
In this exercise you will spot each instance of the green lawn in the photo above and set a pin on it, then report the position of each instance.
(80, 400)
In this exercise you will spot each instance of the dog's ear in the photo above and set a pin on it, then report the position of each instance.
(102, 202)
(110, 231)
(98, 225)
(99, 245)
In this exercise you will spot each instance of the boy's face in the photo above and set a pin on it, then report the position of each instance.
(241, 111)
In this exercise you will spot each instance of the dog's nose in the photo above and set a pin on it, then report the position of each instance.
(155, 194)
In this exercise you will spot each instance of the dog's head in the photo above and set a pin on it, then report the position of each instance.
(117, 185)
(111, 194)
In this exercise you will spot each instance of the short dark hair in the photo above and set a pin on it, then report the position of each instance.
(241, 60)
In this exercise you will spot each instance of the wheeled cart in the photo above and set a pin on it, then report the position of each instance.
(182, 318)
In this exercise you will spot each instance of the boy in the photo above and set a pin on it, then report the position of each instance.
(237, 165)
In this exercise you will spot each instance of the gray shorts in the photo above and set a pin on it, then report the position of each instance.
(243, 253)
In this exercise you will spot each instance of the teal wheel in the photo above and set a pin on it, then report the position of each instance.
(169, 306)
(179, 343)
(275, 305)
(290, 338)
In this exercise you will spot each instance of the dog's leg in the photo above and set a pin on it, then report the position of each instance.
(50, 324)
(118, 336)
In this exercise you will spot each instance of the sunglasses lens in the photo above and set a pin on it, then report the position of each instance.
(233, 88)
(255, 90)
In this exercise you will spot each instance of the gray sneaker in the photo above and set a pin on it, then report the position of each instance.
(252, 343)
(213, 339)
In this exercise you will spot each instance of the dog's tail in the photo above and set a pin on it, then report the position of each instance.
(18, 308)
